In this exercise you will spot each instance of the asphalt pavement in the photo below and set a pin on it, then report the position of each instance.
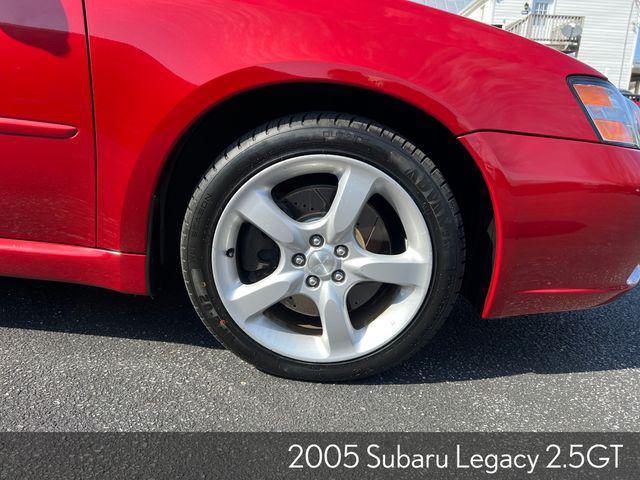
(76, 358)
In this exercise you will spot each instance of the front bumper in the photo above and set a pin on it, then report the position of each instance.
(567, 219)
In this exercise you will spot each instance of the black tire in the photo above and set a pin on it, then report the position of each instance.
(342, 135)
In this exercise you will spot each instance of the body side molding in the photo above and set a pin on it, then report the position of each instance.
(33, 128)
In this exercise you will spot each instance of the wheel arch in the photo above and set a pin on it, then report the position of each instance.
(238, 114)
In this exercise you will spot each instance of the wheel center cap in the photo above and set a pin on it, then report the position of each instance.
(321, 263)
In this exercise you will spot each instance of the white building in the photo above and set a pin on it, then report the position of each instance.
(453, 6)
(602, 34)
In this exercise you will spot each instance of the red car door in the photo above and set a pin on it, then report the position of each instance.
(47, 159)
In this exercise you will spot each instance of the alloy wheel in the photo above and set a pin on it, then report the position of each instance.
(316, 260)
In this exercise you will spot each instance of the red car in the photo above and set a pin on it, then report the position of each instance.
(328, 175)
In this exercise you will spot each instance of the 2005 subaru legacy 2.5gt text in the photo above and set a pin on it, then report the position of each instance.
(329, 176)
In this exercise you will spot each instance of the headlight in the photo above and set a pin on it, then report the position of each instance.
(613, 116)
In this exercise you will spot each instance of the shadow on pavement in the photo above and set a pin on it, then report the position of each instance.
(84, 310)
(467, 348)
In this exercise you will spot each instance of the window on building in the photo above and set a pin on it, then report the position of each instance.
(542, 7)
(539, 8)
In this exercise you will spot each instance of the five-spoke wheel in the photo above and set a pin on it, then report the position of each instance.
(321, 259)
(320, 255)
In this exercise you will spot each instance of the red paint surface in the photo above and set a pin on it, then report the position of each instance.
(74, 264)
(29, 128)
(567, 212)
(159, 65)
(568, 221)
(47, 182)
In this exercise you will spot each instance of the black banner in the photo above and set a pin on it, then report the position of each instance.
(322, 455)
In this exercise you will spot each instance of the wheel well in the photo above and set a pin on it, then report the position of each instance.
(228, 121)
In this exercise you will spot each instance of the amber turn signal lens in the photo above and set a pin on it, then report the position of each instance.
(614, 117)
(613, 131)
(593, 95)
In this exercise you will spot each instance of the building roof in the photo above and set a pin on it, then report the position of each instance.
(454, 6)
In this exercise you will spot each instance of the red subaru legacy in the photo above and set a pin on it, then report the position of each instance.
(328, 176)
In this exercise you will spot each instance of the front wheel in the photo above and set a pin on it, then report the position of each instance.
(323, 247)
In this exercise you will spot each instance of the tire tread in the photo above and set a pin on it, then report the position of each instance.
(367, 127)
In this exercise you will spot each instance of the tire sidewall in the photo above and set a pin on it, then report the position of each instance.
(242, 163)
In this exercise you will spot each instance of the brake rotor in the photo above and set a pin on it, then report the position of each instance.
(308, 203)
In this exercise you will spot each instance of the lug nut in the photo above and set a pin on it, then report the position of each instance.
(341, 251)
(299, 260)
(316, 241)
(338, 276)
(313, 281)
